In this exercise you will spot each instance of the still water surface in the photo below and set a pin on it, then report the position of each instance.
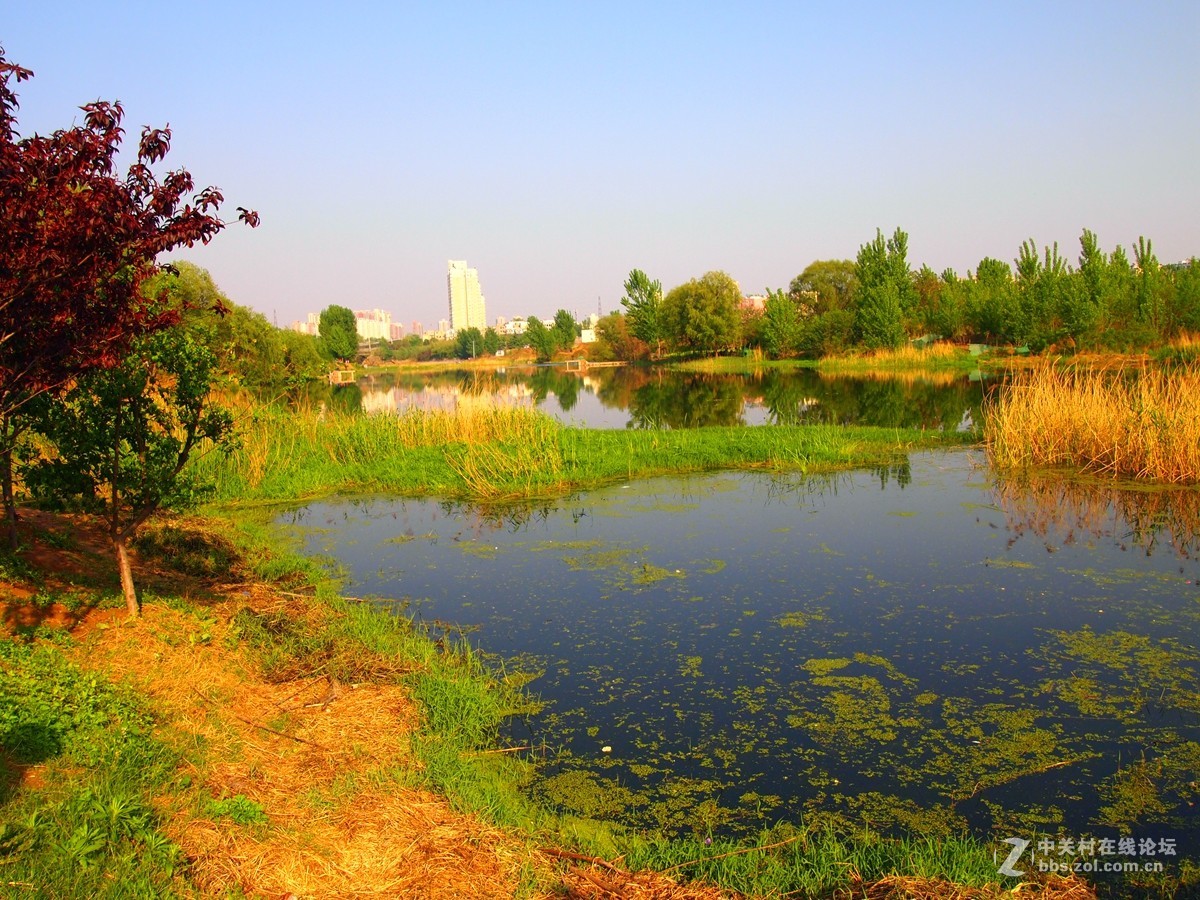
(923, 647)
(643, 397)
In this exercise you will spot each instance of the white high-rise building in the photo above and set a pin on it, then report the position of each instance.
(466, 300)
(373, 324)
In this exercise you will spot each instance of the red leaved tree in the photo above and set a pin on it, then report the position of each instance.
(78, 240)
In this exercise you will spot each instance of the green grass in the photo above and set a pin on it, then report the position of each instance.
(787, 861)
(90, 829)
(508, 454)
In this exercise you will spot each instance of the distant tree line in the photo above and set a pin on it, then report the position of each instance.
(1104, 301)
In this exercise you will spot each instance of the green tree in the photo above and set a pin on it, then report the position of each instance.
(1041, 283)
(1084, 307)
(946, 315)
(825, 285)
(885, 291)
(1183, 310)
(564, 330)
(781, 324)
(616, 339)
(1150, 284)
(122, 438)
(992, 304)
(540, 339)
(492, 342)
(338, 329)
(248, 348)
(643, 309)
(702, 314)
(468, 343)
(301, 356)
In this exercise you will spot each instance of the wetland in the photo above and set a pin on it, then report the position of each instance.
(925, 646)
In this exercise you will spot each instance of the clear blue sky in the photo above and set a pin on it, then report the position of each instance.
(556, 146)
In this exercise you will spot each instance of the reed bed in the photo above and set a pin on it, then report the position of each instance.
(933, 356)
(494, 452)
(1143, 425)
(308, 450)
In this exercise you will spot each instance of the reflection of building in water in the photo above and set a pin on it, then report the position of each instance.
(379, 398)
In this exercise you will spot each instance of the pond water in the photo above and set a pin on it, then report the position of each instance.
(924, 647)
(646, 397)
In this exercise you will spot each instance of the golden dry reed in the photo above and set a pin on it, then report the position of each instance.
(904, 357)
(1142, 425)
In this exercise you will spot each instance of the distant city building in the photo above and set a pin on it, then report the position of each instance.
(311, 326)
(754, 303)
(417, 328)
(444, 327)
(466, 299)
(373, 324)
(396, 332)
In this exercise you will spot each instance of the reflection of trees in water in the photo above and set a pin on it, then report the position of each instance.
(656, 397)
(480, 518)
(1059, 511)
(809, 398)
(564, 385)
(899, 469)
(690, 401)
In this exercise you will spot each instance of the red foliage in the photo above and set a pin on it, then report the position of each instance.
(78, 241)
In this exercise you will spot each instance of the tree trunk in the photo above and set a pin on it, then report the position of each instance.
(8, 439)
(10, 506)
(131, 601)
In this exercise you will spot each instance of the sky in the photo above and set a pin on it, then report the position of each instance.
(557, 146)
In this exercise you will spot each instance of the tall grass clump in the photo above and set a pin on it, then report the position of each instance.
(933, 356)
(478, 448)
(1143, 425)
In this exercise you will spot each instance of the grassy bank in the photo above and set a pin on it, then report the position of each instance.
(492, 452)
(256, 734)
(1143, 425)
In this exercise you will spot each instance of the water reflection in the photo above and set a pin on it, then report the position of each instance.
(883, 646)
(1060, 511)
(650, 397)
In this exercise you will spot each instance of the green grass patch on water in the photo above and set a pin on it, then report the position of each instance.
(291, 456)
